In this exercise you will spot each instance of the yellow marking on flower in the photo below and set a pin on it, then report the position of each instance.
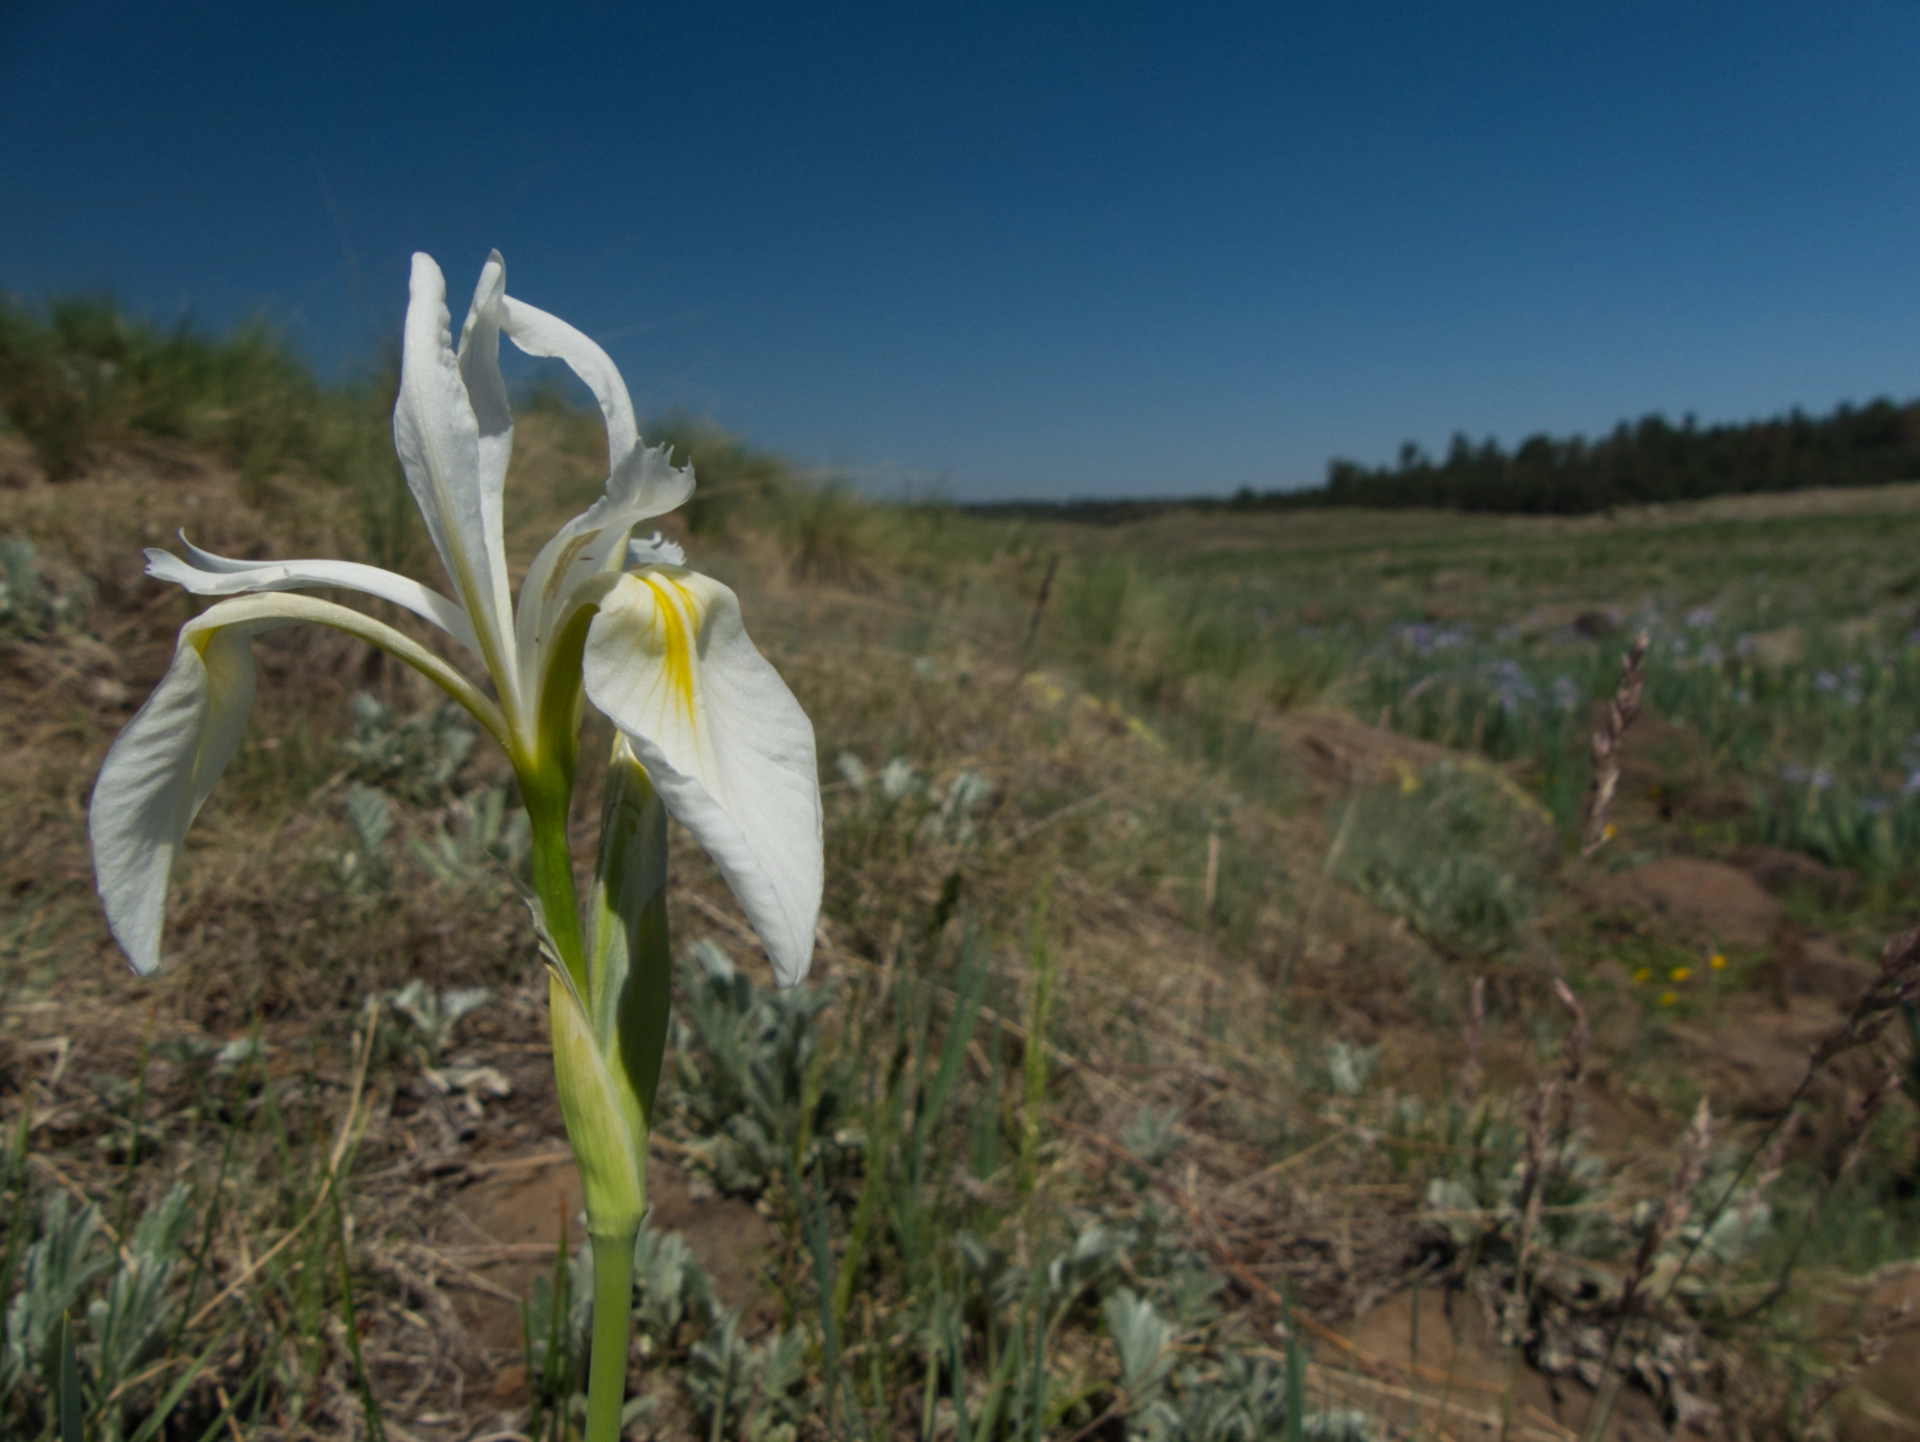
(676, 619)
(1718, 961)
(1643, 975)
(557, 577)
(1680, 973)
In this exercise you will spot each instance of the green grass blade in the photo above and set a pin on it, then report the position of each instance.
(971, 993)
(67, 1397)
(163, 1409)
(376, 1429)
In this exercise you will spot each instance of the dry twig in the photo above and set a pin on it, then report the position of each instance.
(1621, 710)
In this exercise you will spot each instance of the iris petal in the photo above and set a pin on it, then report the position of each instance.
(155, 778)
(438, 436)
(206, 574)
(727, 746)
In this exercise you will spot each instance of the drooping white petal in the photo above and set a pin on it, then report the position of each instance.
(155, 778)
(437, 434)
(206, 574)
(725, 742)
(165, 761)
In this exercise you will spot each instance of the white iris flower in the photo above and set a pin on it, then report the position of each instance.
(658, 648)
(707, 731)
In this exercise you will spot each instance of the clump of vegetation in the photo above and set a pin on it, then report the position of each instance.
(416, 757)
(80, 377)
(1453, 851)
(32, 603)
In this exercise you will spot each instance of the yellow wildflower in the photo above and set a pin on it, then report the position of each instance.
(1643, 975)
(1680, 973)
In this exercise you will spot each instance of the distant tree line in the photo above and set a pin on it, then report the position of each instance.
(1651, 460)
(1637, 463)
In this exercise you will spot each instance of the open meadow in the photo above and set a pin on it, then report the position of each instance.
(1216, 1029)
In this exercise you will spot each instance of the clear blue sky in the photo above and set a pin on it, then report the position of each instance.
(1036, 250)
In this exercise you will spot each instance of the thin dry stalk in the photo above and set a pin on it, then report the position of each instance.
(1473, 1071)
(1895, 984)
(1675, 1207)
(1869, 1346)
(1773, 1161)
(1859, 1124)
(349, 1131)
(1621, 711)
(1533, 1193)
(1040, 602)
(1579, 1039)
(1549, 1134)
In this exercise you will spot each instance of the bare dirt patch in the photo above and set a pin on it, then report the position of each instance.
(1440, 1357)
(1710, 900)
(510, 1221)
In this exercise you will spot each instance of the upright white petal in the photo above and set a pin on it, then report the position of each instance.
(479, 357)
(167, 758)
(206, 574)
(438, 437)
(727, 745)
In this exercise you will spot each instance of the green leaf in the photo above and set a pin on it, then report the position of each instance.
(68, 1391)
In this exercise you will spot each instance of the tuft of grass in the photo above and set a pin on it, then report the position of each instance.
(79, 377)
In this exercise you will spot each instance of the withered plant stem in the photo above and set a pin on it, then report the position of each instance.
(1473, 1070)
(1621, 711)
(1040, 602)
(1675, 1207)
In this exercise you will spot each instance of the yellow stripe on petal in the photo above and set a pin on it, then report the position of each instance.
(676, 624)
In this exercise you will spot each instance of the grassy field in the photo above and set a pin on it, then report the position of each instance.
(1216, 1031)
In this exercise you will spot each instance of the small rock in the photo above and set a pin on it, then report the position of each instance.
(107, 693)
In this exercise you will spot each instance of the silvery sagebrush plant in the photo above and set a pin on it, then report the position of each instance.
(705, 730)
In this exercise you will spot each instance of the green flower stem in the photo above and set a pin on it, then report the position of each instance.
(610, 992)
(553, 876)
(612, 1331)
